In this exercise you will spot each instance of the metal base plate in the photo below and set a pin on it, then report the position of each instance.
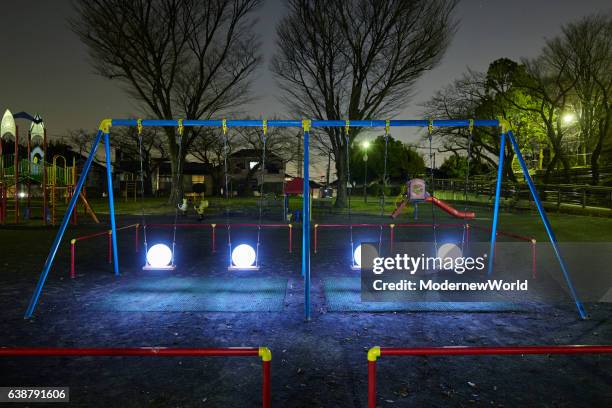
(243, 268)
(148, 267)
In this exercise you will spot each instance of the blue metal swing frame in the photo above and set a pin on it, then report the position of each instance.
(306, 125)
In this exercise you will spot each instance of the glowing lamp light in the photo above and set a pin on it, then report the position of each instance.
(449, 251)
(159, 256)
(362, 251)
(357, 256)
(568, 118)
(22, 194)
(243, 256)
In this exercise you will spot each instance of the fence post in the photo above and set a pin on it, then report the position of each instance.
(110, 246)
(391, 235)
(316, 227)
(72, 256)
(137, 239)
(290, 238)
(373, 355)
(534, 273)
(214, 248)
(266, 359)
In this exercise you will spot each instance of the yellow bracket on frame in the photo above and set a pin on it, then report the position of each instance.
(387, 126)
(347, 126)
(265, 354)
(265, 126)
(181, 128)
(224, 126)
(471, 126)
(105, 125)
(504, 125)
(139, 126)
(430, 127)
(306, 125)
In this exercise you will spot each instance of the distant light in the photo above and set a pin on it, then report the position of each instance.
(22, 194)
(159, 255)
(243, 256)
(568, 118)
(449, 251)
(365, 144)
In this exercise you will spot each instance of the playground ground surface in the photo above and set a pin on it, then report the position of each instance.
(321, 363)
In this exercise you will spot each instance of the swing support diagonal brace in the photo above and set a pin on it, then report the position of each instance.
(500, 174)
(62, 229)
(111, 202)
(547, 226)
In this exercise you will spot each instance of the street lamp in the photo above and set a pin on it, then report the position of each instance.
(365, 145)
(568, 118)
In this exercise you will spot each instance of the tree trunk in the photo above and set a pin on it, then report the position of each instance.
(176, 164)
(342, 175)
(550, 167)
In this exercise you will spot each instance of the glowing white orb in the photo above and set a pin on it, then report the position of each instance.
(243, 256)
(449, 251)
(357, 255)
(22, 194)
(159, 255)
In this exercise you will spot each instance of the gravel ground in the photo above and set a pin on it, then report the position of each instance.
(320, 363)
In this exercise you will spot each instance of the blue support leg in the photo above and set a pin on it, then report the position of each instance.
(306, 227)
(500, 173)
(62, 229)
(547, 226)
(111, 202)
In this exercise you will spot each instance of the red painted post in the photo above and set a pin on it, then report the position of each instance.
(290, 238)
(110, 246)
(72, 256)
(534, 272)
(316, 227)
(266, 388)
(214, 239)
(371, 384)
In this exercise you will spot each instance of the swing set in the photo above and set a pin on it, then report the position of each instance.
(505, 134)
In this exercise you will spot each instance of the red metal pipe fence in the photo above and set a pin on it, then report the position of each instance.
(375, 352)
(108, 233)
(214, 227)
(137, 227)
(263, 352)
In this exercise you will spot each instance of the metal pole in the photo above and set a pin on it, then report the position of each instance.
(306, 221)
(62, 229)
(500, 173)
(111, 202)
(365, 177)
(547, 226)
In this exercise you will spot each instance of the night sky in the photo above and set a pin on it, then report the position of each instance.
(44, 68)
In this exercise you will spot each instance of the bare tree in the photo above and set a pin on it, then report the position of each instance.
(583, 52)
(178, 58)
(153, 152)
(356, 59)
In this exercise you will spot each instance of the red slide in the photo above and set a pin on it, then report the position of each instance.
(450, 210)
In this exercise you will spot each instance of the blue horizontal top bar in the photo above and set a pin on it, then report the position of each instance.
(314, 123)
